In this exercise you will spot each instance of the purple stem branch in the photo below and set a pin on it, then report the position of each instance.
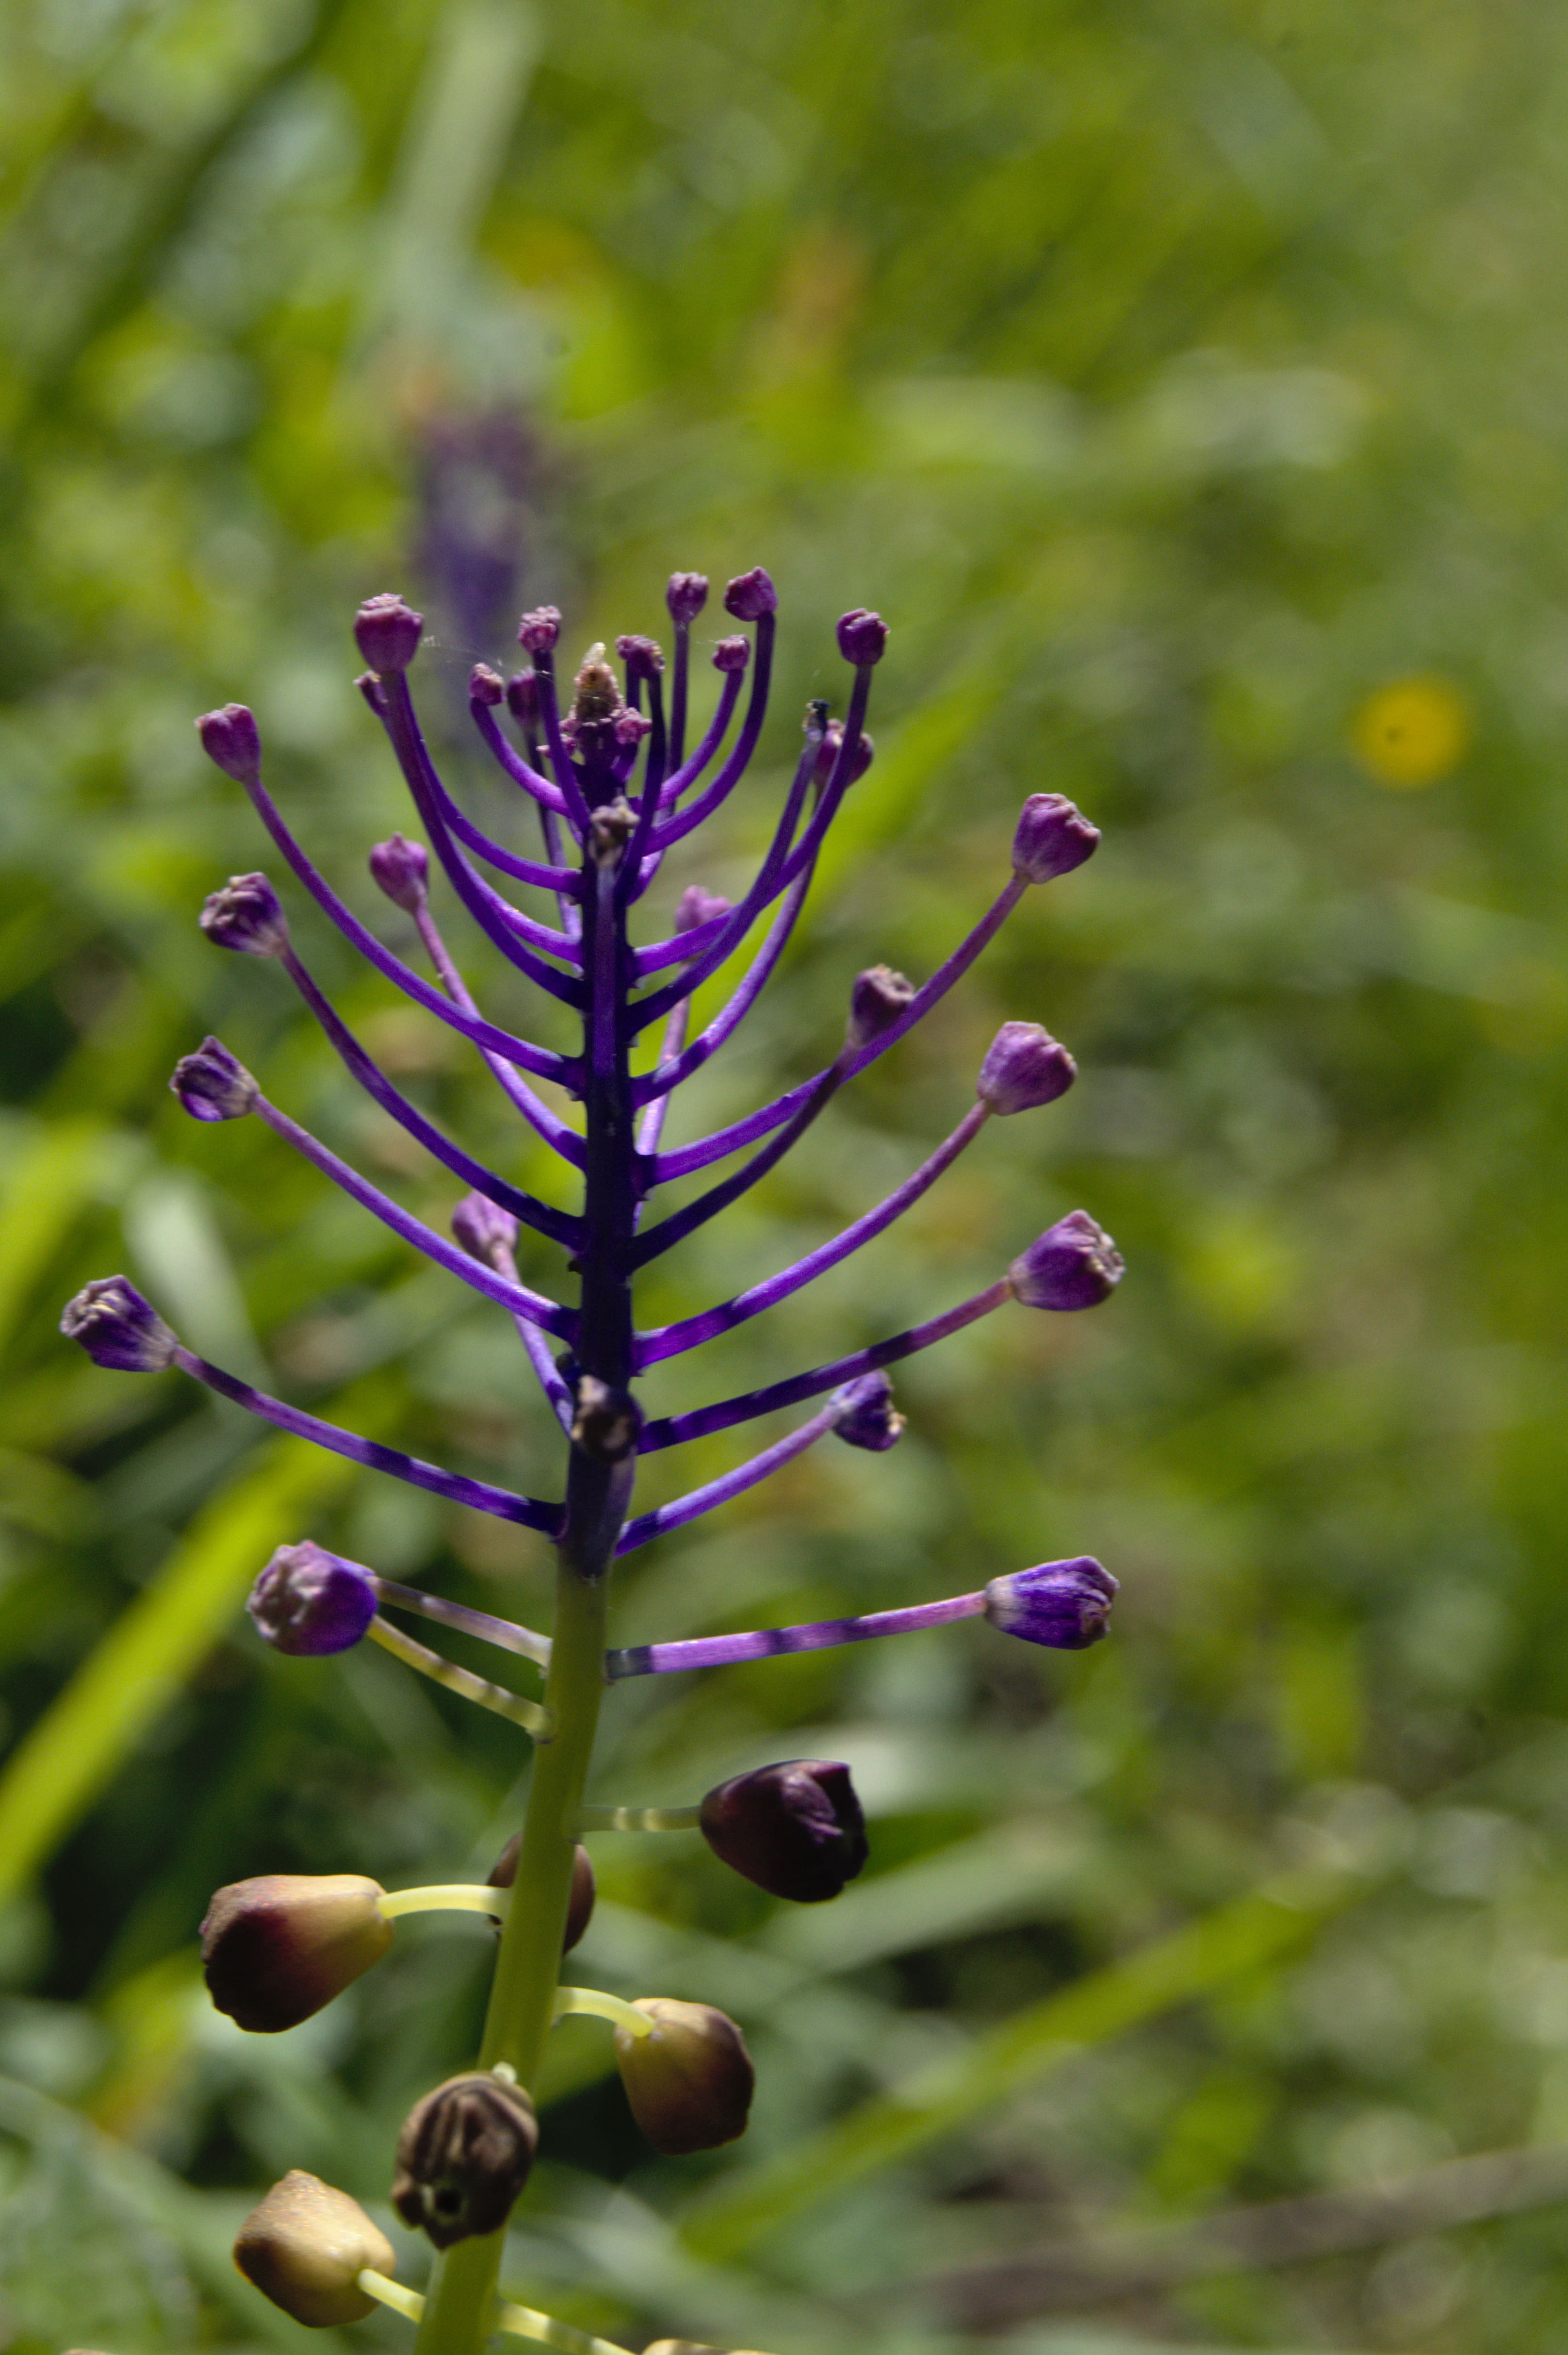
(651, 1125)
(734, 767)
(670, 1070)
(547, 797)
(686, 772)
(681, 1223)
(697, 1501)
(549, 1125)
(577, 808)
(503, 1633)
(765, 1643)
(680, 679)
(562, 1405)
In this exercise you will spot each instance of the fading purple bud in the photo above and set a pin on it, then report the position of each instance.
(1052, 838)
(484, 685)
(608, 1423)
(464, 2156)
(247, 915)
(538, 630)
(833, 738)
(213, 1084)
(375, 694)
(796, 1830)
(690, 2082)
(483, 1228)
(305, 2246)
(118, 1329)
(686, 595)
(867, 1416)
(1024, 1066)
(751, 595)
(1063, 1603)
(732, 653)
(1073, 1264)
(276, 1950)
(308, 1603)
(862, 636)
(230, 738)
(631, 726)
(388, 632)
(402, 869)
(643, 657)
(579, 1904)
(697, 907)
(877, 999)
(522, 698)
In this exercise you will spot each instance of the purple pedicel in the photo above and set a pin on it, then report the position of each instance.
(213, 1084)
(1052, 838)
(866, 1416)
(767, 1643)
(387, 633)
(309, 1603)
(1024, 1067)
(795, 1829)
(118, 1329)
(231, 740)
(1073, 1264)
(402, 869)
(247, 915)
(1065, 1604)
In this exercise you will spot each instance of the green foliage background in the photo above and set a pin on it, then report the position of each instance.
(1174, 378)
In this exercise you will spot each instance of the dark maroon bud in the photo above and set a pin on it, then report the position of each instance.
(686, 595)
(1052, 838)
(867, 1416)
(690, 2082)
(795, 1829)
(608, 1423)
(230, 738)
(309, 1603)
(751, 595)
(375, 694)
(877, 999)
(483, 1228)
(278, 1949)
(580, 1905)
(118, 1329)
(484, 685)
(732, 653)
(1063, 1603)
(631, 726)
(247, 915)
(697, 907)
(213, 1084)
(643, 657)
(1024, 1066)
(305, 2247)
(832, 738)
(388, 633)
(402, 869)
(522, 698)
(861, 637)
(1073, 1264)
(538, 630)
(464, 2156)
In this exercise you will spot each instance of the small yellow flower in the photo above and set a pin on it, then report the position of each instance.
(1412, 732)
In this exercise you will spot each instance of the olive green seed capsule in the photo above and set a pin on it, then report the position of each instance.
(690, 2082)
(305, 2247)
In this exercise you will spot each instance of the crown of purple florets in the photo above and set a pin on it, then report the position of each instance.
(118, 1329)
(309, 1603)
(538, 630)
(685, 596)
(402, 869)
(231, 739)
(247, 914)
(1065, 1604)
(1024, 1067)
(213, 1084)
(862, 636)
(1073, 1264)
(752, 596)
(1052, 838)
(732, 654)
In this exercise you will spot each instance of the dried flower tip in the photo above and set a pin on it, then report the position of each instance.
(309, 1603)
(118, 1329)
(1024, 1066)
(402, 869)
(213, 1084)
(608, 1423)
(464, 2156)
(751, 595)
(483, 1228)
(276, 1949)
(697, 907)
(305, 2247)
(230, 738)
(690, 2082)
(484, 685)
(596, 690)
(867, 1416)
(1073, 1264)
(373, 691)
(832, 739)
(877, 999)
(732, 653)
(861, 637)
(610, 828)
(686, 595)
(580, 1905)
(538, 630)
(388, 633)
(631, 726)
(1063, 1603)
(643, 657)
(796, 1830)
(247, 915)
(522, 698)
(1052, 838)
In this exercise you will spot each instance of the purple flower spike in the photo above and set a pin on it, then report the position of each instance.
(118, 1329)
(388, 633)
(1052, 838)
(247, 915)
(697, 907)
(732, 653)
(309, 1603)
(538, 630)
(833, 741)
(522, 698)
(483, 1228)
(751, 595)
(229, 737)
(643, 657)
(685, 596)
(877, 1000)
(486, 686)
(866, 1415)
(1063, 1603)
(862, 636)
(1073, 1264)
(402, 869)
(796, 1830)
(213, 1084)
(1024, 1066)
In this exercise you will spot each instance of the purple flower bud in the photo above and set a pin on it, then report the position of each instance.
(402, 869)
(484, 685)
(631, 726)
(277, 1949)
(1073, 1264)
(308, 1603)
(832, 738)
(751, 595)
(483, 1228)
(643, 659)
(796, 1830)
(867, 1416)
(1024, 1066)
(373, 691)
(229, 737)
(464, 2156)
(305, 2247)
(580, 1905)
(608, 1423)
(686, 595)
(118, 1329)
(247, 915)
(522, 698)
(697, 907)
(732, 653)
(690, 2082)
(1063, 1603)
(877, 999)
(1052, 838)
(388, 633)
(538, 630)
(213, 1084)
(862, 636)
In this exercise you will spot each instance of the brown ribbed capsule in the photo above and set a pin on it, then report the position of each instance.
(277, 1948)
(580, 1905)
(690, 2082)
(464, 2156)
(305, 2247)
